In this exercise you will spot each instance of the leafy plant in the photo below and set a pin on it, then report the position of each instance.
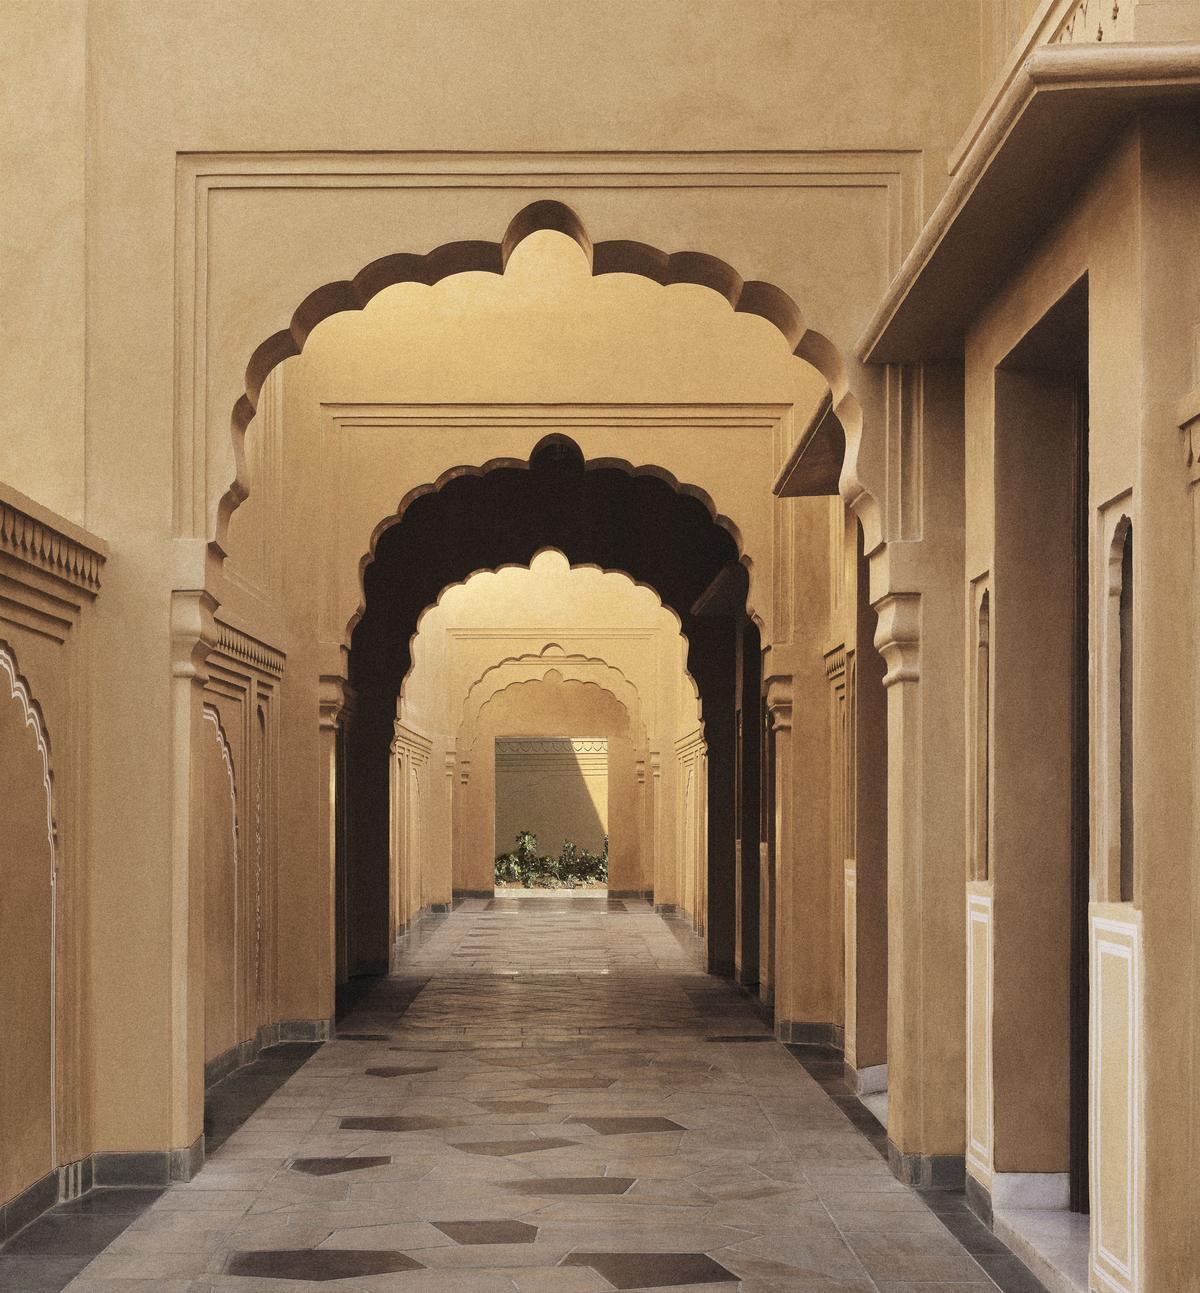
(573, 865)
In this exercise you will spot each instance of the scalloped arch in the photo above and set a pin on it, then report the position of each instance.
(571, 684)
(18, 687)
(618, 256)
(515, 565)
(523, 464)
(618, 682)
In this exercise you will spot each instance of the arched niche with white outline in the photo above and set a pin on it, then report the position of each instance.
(28, 1024)
(225, 961)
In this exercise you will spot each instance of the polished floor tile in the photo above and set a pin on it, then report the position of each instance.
(548, 1096)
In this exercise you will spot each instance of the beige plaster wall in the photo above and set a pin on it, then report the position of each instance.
(554, 786)
(195, 254)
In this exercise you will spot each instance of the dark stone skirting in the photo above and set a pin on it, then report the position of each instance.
(928, 1171)
(106, 1168)
(287, 1030)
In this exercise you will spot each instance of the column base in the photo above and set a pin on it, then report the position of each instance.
(928, 1171)
(793, 1032)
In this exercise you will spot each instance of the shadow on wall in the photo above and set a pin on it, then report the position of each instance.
(555, 787)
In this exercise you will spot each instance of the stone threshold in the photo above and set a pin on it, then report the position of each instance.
(1053, 1243)
(1004, 1263)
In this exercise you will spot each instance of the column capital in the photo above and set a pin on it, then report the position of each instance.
(193, 632)
(898, 636)
(779, 702)
(335, 699)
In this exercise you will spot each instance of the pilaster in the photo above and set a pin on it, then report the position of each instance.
(194, 635)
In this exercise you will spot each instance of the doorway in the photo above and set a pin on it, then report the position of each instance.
(552, 800)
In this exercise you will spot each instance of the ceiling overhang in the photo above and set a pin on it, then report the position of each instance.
(815, 463)
(1026, 162)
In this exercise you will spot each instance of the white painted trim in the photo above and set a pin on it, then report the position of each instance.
(979, 1154)
(873, 1080)
(1045, 1191)
(19, 691)
(1106, 1267)
(210, 715)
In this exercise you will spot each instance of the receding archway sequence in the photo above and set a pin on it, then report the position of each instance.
(526, 652)
(600, 517)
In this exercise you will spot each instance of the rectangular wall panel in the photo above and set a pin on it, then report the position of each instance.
(1115, 1102)
(979, 1034)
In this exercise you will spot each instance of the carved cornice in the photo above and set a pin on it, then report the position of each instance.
(1189, 424)
(335, 701)
(28, 533)
(193, 632)
(898, 636)
(565, 745)
(249, 650)
(835, 662)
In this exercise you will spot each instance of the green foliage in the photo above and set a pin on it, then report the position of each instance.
(573, 866)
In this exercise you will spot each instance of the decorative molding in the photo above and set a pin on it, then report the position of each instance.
(210, 714)
(979, 1121)
(335, 700)
(28, 533)
(1082, 94)
(898, 636)
(242, 646)
(894, 174)
(779, 702)
(1115, 943)
(835, 662)
(1188, 414)
(193, 633)
(550, 745)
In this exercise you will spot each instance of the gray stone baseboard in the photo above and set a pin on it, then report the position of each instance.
(979, 1199)
(459, 894)
(928, 1171)
(147, 1168)
(286, 1030)
(646, 895)
(793, 1032)
(666, 908)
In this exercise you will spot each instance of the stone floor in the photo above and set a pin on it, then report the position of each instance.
(549, 1097)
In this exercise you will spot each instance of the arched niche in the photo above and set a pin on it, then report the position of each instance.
(28, 1022)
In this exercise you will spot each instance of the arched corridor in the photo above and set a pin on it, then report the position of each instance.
(536, 539)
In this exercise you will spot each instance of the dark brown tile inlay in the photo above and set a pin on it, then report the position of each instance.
(571, 1084)
(401, 1070)
(502, 1148)
(628, 1126)
(488, 1232)
(335, 1166)
(743, 1037)
(571, 1185)
(396, 1122)
(653, 1270)
(514, 1106)
(319, 1264)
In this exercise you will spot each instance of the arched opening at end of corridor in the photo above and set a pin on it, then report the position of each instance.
(595, 514)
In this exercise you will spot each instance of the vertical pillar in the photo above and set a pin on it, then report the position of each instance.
(779, 719)
(749, 748)
(336, 701)
(193, 636)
